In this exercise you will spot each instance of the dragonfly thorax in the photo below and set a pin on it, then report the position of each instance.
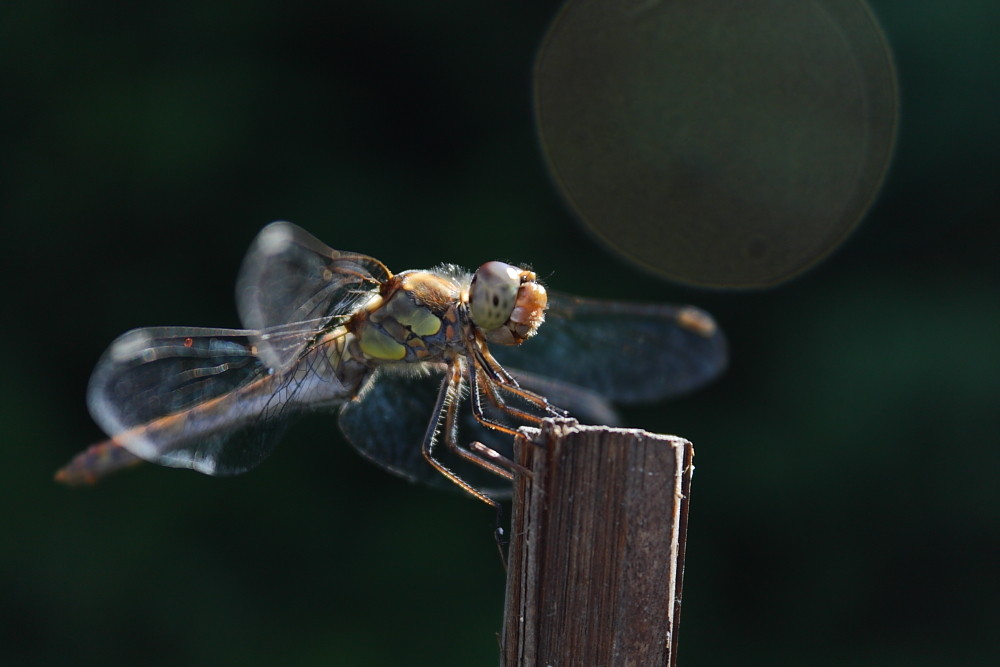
(414, 318)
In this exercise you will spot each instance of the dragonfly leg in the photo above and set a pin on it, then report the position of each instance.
(492, 388)
(500, 537)
(477, 406)
(495, 456)
(475, 455)
(503, 380)
(447, 400)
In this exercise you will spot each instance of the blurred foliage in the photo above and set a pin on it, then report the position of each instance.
(845, 507)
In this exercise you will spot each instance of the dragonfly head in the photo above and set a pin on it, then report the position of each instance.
(506, 302)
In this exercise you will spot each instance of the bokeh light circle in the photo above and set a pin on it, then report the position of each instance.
(718, 143)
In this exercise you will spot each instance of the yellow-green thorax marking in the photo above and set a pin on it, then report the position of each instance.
(414, 318)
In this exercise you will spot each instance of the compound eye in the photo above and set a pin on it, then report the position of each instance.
(493, 294)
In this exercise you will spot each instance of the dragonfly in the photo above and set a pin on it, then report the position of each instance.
(432, 371)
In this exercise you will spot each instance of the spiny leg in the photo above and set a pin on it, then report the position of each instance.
(492, 389)
(477, 405)
(487, 453)
(506, 382)
(457, 371)
(446, 400)
(493, 455)
(485, 457)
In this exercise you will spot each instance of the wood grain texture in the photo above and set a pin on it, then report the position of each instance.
(597, 546)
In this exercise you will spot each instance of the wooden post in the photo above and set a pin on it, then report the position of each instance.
(597, 547)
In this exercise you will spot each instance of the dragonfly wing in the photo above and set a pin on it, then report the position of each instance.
(289, 277)
(171, 395)
(387, 423)
(588, 407)
(628, 353)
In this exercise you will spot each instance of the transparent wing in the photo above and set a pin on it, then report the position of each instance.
(289, 277)
(627, 353)
(194, 397)
(388, 422)
(586, 406)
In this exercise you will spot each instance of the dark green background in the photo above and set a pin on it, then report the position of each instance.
(846, 506)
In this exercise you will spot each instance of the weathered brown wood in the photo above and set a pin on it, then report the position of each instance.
(597, 547)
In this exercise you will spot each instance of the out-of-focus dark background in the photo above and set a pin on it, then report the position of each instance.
(846, 508)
